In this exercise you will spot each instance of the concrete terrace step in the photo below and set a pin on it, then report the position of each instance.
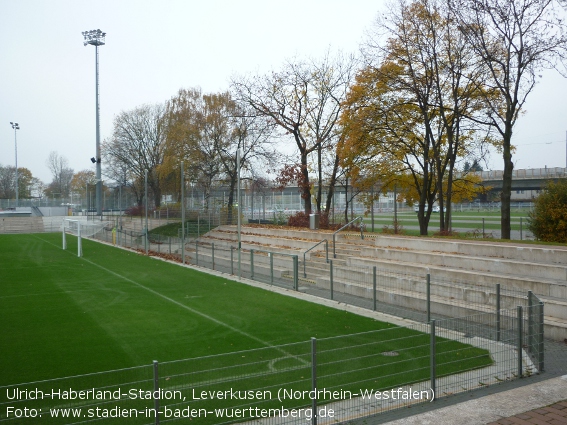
(554, 327)
(295, 243)
(294, 239)
(444, 286)
(260, 247)
(520, 266)
(262, 266)
(400, 255)
(547, 271)
(444, 281)
(538, 286)
(549, 281)
(512, 250)
(21, 225)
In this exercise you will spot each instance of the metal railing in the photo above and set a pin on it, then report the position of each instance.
(313, 247)
(361, 218)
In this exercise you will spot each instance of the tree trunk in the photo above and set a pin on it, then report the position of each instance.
(157, 195)
(506, 192)
(320, 185)
(305, 186)
(230, 200)
(346, 201)
(332, 183)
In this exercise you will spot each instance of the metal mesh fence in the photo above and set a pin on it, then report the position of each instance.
(409, 295)
(114, 397)
(471, 336)
(237, 387)
(335, 379)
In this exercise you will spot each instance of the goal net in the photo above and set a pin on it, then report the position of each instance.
(81, 229)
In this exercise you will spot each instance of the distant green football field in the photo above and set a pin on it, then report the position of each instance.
(63, 315)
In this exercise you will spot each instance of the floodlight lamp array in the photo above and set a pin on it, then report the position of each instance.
(94, 37)
(15, 125)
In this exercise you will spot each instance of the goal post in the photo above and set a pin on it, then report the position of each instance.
(73, 227)
(81, 229)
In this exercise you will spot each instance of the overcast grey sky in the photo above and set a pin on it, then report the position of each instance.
(154, 48)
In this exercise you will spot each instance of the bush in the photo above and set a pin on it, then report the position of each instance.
(301, 219)
(396, 229)
(135, 211)
(548, 220)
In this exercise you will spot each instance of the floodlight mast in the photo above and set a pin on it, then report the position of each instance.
(96, 38)
(16, 127)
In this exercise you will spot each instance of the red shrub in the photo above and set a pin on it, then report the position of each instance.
(301, 219)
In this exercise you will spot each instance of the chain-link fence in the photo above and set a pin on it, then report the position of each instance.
(324, 380)
(403, 294)
(498, 337)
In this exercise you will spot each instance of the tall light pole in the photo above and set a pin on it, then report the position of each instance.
(16, 127)
(96, 38)
(239, 209)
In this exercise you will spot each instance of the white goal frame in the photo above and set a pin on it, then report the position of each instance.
(79, 244)
(81, 229)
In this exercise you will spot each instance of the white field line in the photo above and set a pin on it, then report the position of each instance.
(192, 310)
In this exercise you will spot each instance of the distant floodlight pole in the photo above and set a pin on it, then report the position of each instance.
(183, 214)
(96, 38)
(239, 209)
(146, 196)
(16, 127)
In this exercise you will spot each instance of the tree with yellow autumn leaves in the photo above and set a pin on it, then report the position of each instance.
(205, 131)
(411, 115)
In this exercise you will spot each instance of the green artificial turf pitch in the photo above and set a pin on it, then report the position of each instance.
(65, 316)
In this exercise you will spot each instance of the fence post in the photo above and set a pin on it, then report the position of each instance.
(271, 267)
(79, 241)
(251, 264)
(519, 341)
(531, 328)
(196, 253)
(331, 277)
(156, 391)
(483, 228)
(428, 292)
(314, 381)
(64, 240)
(213, 254)
(374, 287)
(169, 240)
(146, 241)
(540, 339)
(231, 259)
(520, 228)
(498, 312)
(295, 274)
(432, 362)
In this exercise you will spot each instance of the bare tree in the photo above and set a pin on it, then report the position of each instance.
(138, 144)
(125, 176)
(514, 40)
(252, 135)
(304, 100)
(62, 175)
(7, 182)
